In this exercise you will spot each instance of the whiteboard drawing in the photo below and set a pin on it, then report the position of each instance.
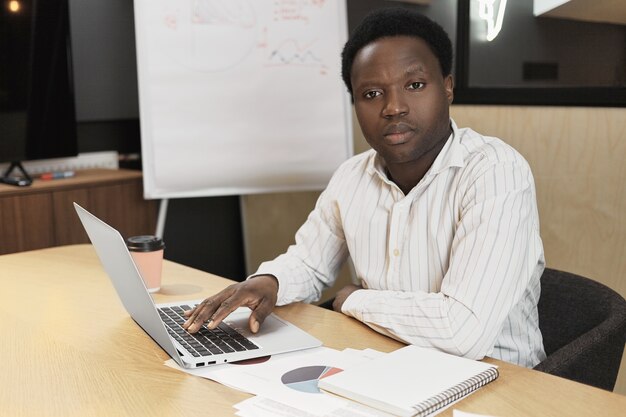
(292, 52)
(296, 10)
(197, 30)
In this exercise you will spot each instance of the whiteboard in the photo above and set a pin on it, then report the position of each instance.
(241, 96)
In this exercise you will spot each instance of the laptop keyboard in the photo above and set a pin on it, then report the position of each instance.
(222, 339)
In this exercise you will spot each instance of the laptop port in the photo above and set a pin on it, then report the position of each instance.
(199, 364)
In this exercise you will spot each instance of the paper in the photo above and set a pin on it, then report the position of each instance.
(232, 374)
(266, 407)
(411, 380)
(287, 384)
(293, 381)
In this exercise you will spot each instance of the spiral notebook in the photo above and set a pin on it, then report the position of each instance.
(411, 381)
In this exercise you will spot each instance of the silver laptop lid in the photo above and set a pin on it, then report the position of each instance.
(119, 265)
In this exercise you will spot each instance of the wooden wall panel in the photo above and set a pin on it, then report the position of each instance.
(25, 223)
(120, 205)
(125, 208)
(68, 229)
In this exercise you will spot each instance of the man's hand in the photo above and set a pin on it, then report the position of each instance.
(343, 294)
(258, 293)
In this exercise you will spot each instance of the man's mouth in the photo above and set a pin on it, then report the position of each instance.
(397, 133)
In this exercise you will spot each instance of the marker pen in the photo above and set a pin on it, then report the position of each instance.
(56, 175)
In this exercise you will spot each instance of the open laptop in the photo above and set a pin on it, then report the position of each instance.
(231, 341)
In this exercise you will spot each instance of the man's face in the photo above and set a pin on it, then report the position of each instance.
(401, 98)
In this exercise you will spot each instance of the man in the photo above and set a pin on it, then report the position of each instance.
(441, 223)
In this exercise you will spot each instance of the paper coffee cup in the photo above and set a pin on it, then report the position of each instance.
(147, 253)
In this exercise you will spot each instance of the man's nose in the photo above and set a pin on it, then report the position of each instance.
(395, 104)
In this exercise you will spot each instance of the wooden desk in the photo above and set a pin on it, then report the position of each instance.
(64, 328)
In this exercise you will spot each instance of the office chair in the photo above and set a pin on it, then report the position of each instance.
(584, 329)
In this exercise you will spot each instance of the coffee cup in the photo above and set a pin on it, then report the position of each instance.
(147, 253)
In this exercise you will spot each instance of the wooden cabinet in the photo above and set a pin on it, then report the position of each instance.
(42, 215)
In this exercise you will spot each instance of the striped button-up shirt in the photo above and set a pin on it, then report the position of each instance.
(453, 265)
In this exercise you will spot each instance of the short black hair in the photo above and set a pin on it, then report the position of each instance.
(396, 21)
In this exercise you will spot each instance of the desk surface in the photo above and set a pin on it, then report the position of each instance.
(63, 327)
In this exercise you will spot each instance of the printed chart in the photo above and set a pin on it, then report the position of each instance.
(305, 379)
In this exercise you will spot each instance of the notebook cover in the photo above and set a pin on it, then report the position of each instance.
(411, 381)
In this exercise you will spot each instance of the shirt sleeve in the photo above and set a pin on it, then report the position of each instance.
(314, 261)
(493, 256)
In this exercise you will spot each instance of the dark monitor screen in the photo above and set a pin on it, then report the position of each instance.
(37, 115)
(532, 51)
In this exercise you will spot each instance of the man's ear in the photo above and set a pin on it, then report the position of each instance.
(448, 85)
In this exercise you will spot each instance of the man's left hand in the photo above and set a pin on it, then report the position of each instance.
(343, 294)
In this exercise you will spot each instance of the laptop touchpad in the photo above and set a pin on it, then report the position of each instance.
(240, 322)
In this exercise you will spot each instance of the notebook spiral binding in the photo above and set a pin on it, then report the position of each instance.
(455, 393)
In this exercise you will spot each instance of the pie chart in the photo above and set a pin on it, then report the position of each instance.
(305, 379)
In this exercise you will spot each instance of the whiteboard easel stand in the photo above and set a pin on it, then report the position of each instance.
(160, 226)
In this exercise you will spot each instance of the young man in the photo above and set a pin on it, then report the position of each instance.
(441, 223)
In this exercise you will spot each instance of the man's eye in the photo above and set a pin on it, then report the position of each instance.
(416, 85)
(371, 94)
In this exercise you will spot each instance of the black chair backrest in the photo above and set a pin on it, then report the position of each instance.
(583, 324)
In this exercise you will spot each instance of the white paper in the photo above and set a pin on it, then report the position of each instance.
(266, 407)
(290, 380)
(285, 381)
(230, 374)
(241, 96)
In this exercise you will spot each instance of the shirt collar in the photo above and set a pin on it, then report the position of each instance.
(451, 155)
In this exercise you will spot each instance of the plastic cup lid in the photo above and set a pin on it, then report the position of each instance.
(145, 243)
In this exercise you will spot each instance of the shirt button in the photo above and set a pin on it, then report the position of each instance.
(396, 252)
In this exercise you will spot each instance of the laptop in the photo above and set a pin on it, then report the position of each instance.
(230, 342)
